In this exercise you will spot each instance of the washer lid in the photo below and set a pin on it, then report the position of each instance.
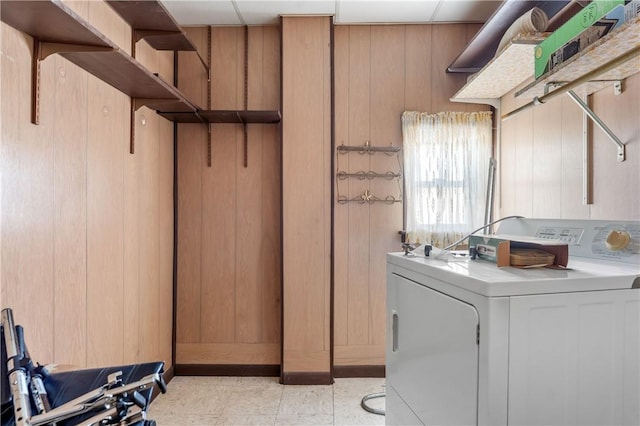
(485, 278)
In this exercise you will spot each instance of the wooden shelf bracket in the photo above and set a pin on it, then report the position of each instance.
(42, 50)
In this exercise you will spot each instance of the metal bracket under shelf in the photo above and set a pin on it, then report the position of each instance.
(41, 50)
(598, 121)
(567, 87)
(617, 87)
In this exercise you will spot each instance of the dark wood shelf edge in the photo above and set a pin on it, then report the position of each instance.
(152, 22)
(54, 22)
(225, 116)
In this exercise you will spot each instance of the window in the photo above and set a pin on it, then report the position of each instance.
(446, 164)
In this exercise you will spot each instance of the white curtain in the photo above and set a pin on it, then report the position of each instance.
(446, 166)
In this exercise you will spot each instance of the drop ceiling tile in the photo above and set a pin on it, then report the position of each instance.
(189, 12)
(465, 10)
(384, 11)
(261, 12)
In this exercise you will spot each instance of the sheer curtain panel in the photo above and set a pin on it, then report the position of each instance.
(446, 166)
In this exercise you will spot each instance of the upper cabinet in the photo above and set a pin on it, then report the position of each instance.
(614, 57)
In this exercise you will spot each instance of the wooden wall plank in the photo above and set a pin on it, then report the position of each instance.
(547, 157)
(341, 211)
(418, 69)
(219, 185)
(271, 239)
(524, 165)
(147, 154)
(447, 41)
(306, 188)
(70, 204)
(191, 160)
(387, 100)
(131, 249)
(249, 288)
(219, 237)
(507, 169)
(105, 225)
(361, 49)
(27, 169)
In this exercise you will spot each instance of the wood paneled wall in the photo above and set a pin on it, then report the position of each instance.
(87, 228)
(380, 72)
(306, 197)
(229, 232)
(541, 158)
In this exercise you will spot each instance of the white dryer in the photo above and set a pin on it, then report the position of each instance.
(471, 343)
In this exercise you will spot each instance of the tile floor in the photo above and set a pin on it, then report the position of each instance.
(263, 401)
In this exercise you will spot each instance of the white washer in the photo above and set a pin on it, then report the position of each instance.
(471, 343)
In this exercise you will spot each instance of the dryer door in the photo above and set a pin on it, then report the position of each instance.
(432, 355)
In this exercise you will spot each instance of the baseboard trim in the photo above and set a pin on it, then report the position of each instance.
(227, 370)
(344, 371)
(306, 378)
(169, 374)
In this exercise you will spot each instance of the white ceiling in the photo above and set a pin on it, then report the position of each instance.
(261, 12)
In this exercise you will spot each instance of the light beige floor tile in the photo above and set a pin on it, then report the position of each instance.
(252, 399)
(183, 420)
(307, 400)
(232, 401)
(348, 394)
(304, 420)
(246, 419)
(201, 399)
(358, 419)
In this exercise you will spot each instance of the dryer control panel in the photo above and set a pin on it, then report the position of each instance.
(596, 239)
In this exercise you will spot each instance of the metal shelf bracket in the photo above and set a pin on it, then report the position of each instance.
(598, 121)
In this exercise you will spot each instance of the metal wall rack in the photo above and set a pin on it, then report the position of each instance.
(367, 197)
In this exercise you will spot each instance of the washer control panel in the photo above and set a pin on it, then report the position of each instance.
(595, 239)
(570, 236)
(616, 240)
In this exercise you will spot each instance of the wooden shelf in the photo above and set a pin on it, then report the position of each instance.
(503, 73)
(58, 29)
(225, 116)
(51, 21)
(245, 117)
(153, 23)
(613, 45)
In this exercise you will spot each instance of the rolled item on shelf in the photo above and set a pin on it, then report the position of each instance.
(534, 21)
